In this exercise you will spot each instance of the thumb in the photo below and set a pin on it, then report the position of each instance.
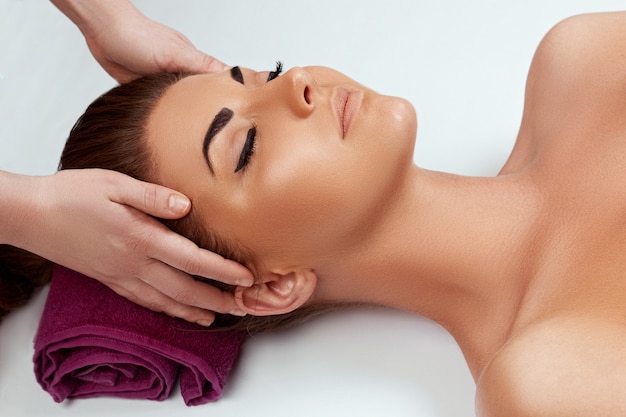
(194, 61)
(153, 199)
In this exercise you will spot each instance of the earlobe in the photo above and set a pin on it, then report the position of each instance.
(280, 293)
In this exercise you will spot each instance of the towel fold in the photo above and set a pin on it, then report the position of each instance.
(93, 342)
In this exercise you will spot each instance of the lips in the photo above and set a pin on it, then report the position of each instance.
(347, 104)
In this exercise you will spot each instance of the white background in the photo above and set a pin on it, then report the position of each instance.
(462, 64)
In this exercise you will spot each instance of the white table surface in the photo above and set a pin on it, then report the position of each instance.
(462, 64)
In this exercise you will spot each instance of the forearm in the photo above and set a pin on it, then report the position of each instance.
(91, 16)
(18, 207)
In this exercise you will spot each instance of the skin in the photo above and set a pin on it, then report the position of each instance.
(301, 165)
(525, 269)
(99, 222)
(128, 45)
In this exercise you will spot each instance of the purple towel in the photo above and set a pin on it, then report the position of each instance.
(92, 342)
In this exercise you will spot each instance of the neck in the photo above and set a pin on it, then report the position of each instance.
(453, 249)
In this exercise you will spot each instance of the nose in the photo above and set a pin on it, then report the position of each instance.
(300, 90)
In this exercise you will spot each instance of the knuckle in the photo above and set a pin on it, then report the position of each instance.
(168, 59)
(137, 243)
(141, 238)
(194, 315)
(202, 295)
(154, 305)
(150, 196)
(190, 265)
(121, 291)
(201, 262)
(208, 60)
(109, 179)
(223, 302)
(184, 296)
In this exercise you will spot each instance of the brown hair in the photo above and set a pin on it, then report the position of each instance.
(111, 134)
(21, 273)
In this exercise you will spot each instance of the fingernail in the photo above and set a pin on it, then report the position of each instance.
(205, 323)
(178, 203)
(238, 312)
(244, 283)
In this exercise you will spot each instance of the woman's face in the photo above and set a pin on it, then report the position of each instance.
(294, 169)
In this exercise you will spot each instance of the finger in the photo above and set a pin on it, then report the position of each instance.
(169, 247)
(182, 254)
(192, 60)
(212, 64)
(121, 74)
(125, 77)
(151, 298)
(152, 199)
(185, 290)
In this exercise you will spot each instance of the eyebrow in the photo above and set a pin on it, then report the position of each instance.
(235, 73)
(220, 120)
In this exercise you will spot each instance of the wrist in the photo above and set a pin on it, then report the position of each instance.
(20, 207)
(93, 17)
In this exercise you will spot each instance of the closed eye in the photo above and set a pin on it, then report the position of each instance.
(237, 75)
(248, 150)
(249, 145)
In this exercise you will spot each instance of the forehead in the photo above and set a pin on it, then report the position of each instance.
(187, 107)
(178, 123)
(192, 91)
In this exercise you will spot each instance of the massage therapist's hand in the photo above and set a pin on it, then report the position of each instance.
(127, 44)
(93, 221)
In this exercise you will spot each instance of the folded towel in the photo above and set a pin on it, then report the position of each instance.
(93, 342)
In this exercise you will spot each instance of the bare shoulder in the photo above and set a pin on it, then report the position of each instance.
(596, 39)
(570, 366)
(582, 59)
(580, 54)
(576, 85)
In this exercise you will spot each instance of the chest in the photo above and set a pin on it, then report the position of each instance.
(571, 365)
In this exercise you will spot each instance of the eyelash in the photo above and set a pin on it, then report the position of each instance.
(274, 74)
(249, 145)
(248, 150)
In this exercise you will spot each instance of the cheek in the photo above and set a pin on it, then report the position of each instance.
(300, 192)
(317, 193)
(314, 200)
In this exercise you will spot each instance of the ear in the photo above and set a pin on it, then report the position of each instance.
(279, 293)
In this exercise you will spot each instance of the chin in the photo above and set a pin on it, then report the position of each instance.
(404, 122)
